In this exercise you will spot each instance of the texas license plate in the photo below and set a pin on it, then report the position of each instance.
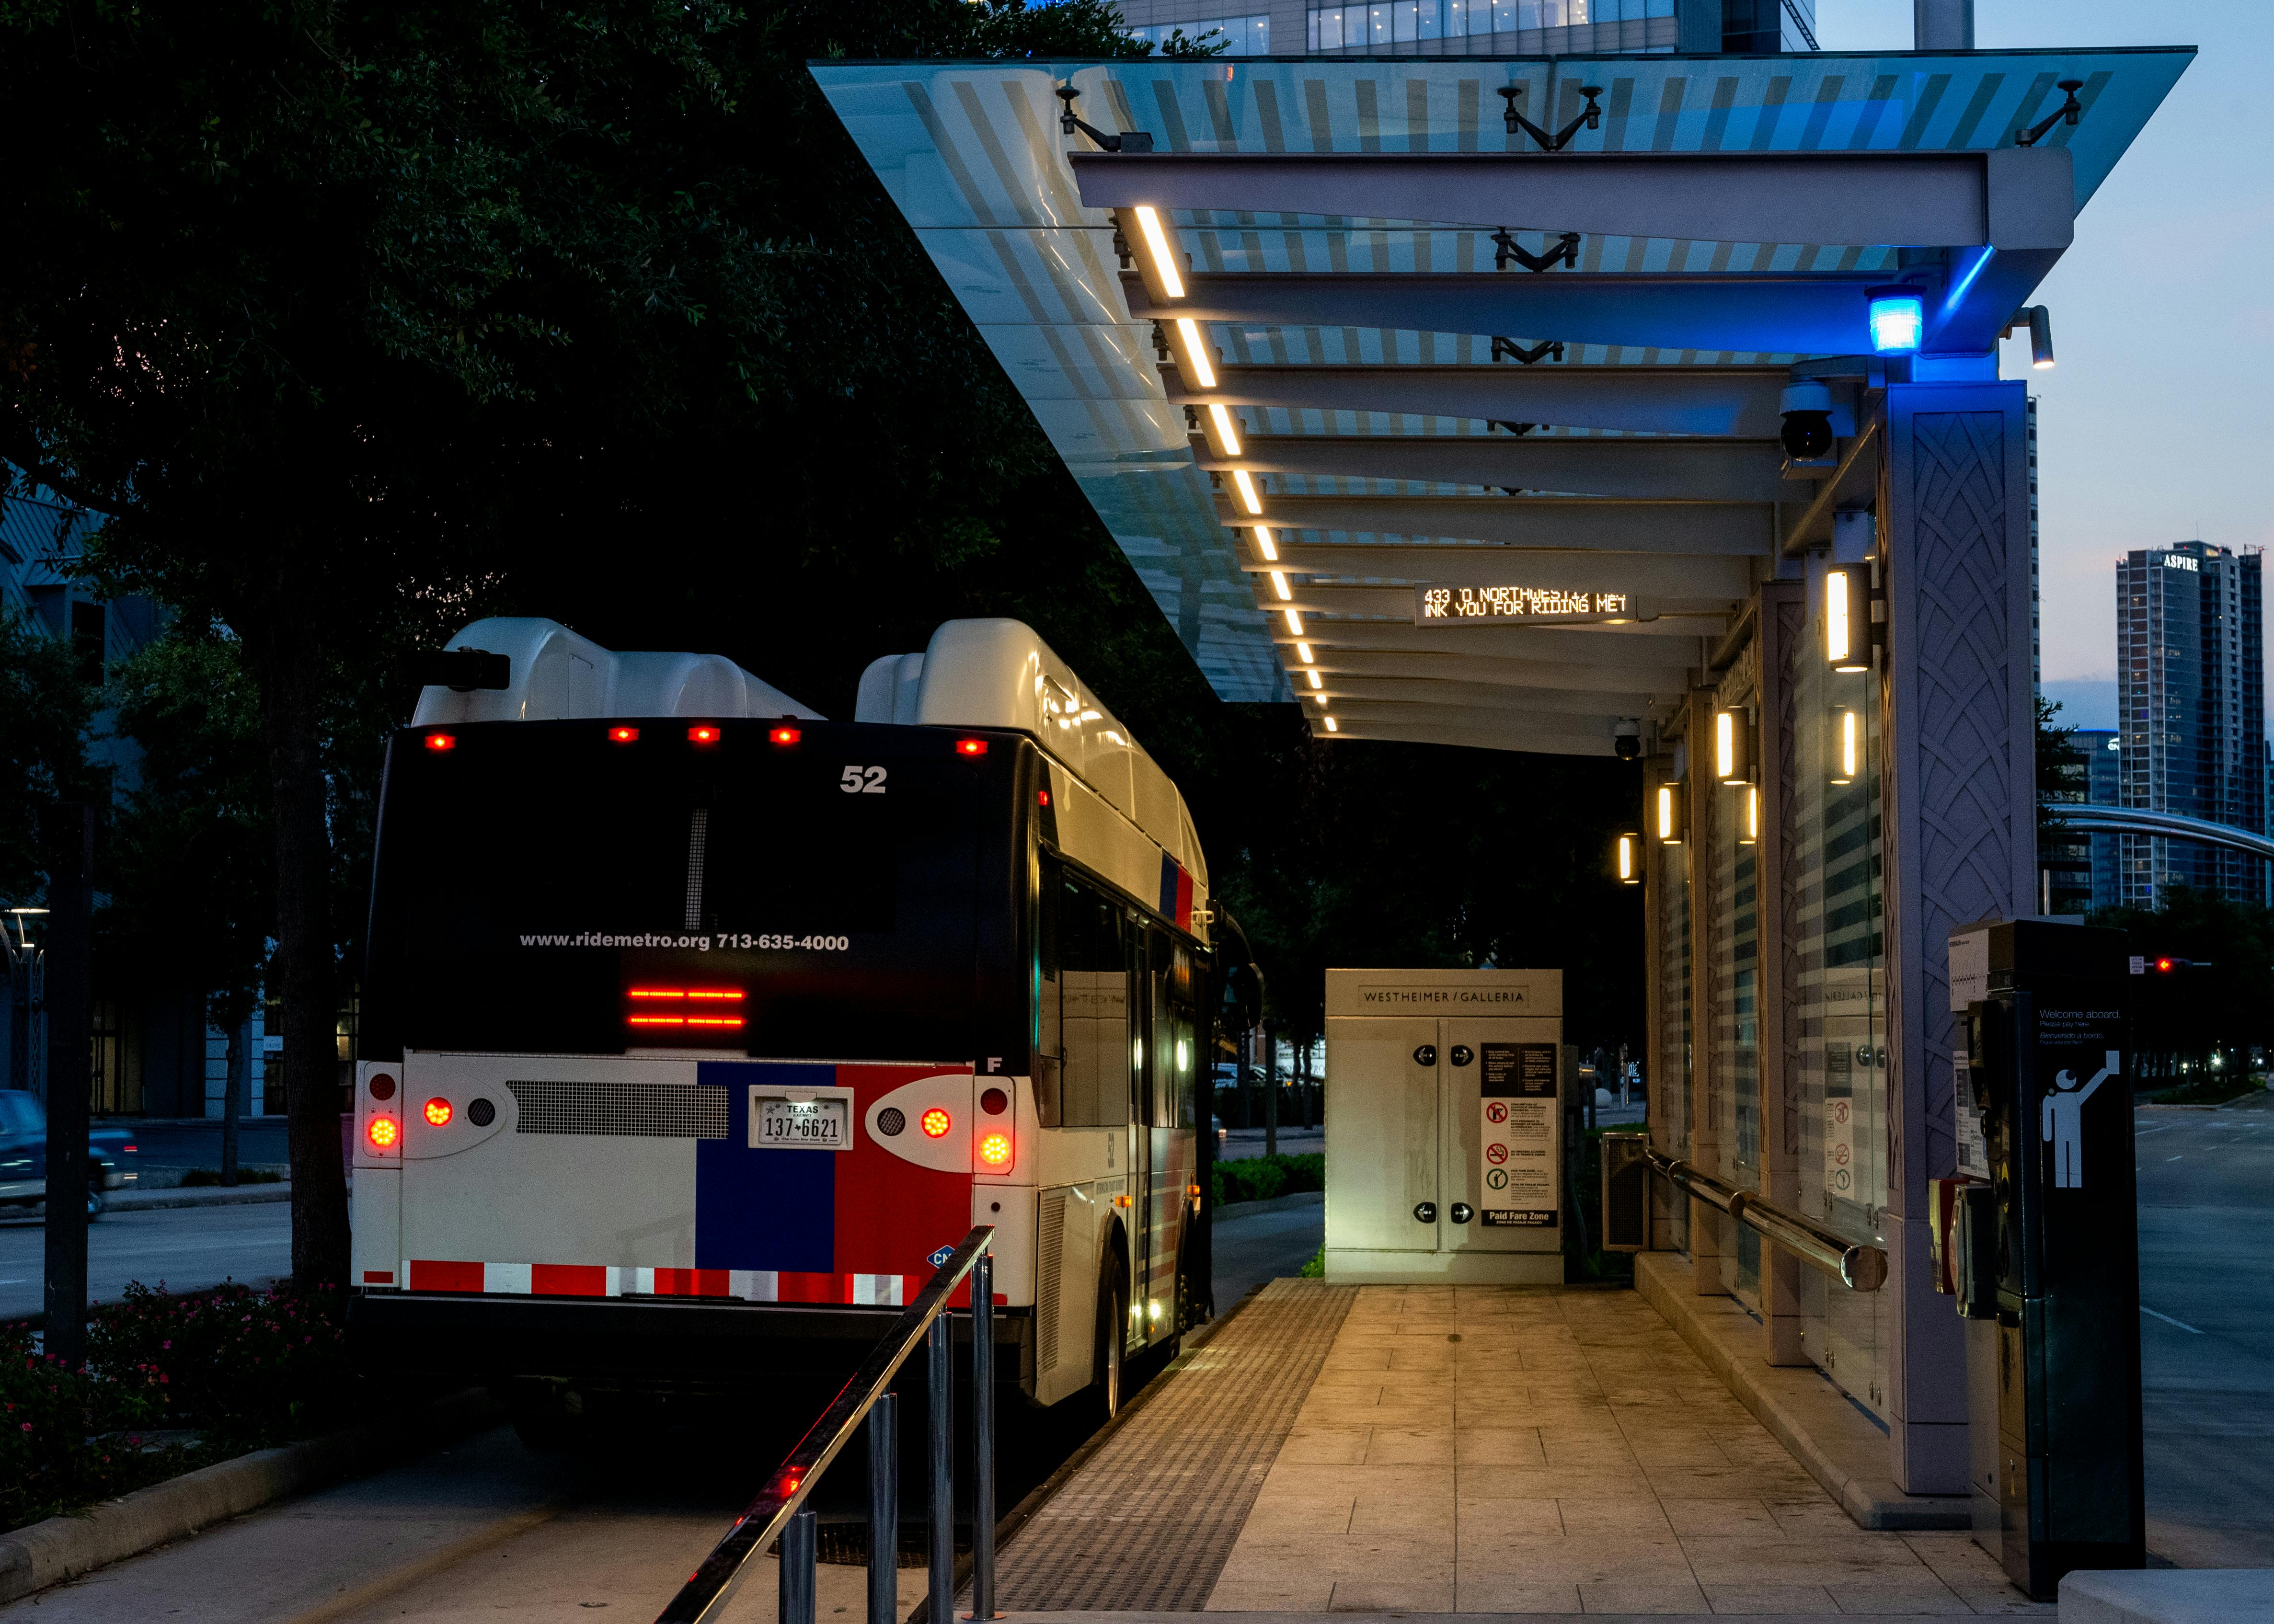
(802, 1124)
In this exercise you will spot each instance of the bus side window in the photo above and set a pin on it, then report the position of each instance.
(1093, 993)
(1050, 1051)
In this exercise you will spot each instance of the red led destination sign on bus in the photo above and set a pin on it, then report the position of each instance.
(681, 1007)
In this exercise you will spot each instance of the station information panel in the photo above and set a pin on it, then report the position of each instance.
(1446, 1093)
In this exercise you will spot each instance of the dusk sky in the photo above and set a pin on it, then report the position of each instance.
(2153, 428)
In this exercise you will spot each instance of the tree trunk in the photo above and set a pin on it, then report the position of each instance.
(283, 649)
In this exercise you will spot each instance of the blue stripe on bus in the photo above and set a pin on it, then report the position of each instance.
(1169, 872)
(763, 1209)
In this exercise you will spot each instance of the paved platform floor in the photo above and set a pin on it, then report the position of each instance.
(1493, 1450)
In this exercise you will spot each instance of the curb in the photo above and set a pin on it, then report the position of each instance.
(47, 1554)
(201, 1195)
(1801, 1408)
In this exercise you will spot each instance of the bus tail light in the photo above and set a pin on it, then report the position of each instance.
(383, 1133)
(438, 1112)
(935, 1122)
(995, 1149)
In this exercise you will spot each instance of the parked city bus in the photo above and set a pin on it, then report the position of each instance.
(696, 1028)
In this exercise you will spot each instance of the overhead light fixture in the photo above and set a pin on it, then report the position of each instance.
(1629, 859)
(2040, 338)
(1227, 432)
(1317, 682)
(1331, 727)
(1249, 498)
(1157, 251)
(1304, 649)
(1732, 754)
(1844, 646)
(1848, 750)
(1749, 826)
(1265, 545)
(1294, 623)
(1665, 814)
(1898, 318)
(1196, 353)
(1279, 585)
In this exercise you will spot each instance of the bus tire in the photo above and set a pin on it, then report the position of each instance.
(1112, 1307)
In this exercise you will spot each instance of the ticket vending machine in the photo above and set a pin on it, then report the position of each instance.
(2058, 1271)
(1445, 1092)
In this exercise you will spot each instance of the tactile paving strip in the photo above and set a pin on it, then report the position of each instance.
(1148, 1521)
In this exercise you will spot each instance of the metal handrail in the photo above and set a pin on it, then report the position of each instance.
(777, 1511)
(1855, 1266)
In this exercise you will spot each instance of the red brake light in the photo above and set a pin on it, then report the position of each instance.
(785, 735)
(1041, 797)
(971, 747)
(995, 1149)
(704, 733)
(381, 1133)
(441, 741)
(623, 735)
(437, 1111)
(935, 1124)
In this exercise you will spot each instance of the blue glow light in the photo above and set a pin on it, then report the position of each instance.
(1898, 317)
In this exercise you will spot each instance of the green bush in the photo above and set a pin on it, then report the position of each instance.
(244, 1369)
(1259, 1178)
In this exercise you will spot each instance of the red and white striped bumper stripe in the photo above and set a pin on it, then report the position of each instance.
(605, 1279)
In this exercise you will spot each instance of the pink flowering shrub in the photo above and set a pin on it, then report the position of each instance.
(246, 1368)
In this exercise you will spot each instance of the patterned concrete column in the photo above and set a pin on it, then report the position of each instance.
(1783, 636)
(1959, 804)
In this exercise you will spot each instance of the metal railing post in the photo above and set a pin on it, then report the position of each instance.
(941, 1604)
(797, 1558)
(982, 1437)
(884, 1510)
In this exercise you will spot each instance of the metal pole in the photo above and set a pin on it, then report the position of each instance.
(71, 1069)
(797, 1554)
(884, 1510)
(941, 1604)
(982, 1436)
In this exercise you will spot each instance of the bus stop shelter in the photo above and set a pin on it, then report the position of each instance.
(1469, 402)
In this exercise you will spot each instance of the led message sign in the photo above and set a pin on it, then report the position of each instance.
(1472, 606)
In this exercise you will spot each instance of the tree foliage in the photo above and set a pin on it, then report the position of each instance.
(47, 712)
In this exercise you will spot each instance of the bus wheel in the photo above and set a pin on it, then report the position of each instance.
(1112, 1298)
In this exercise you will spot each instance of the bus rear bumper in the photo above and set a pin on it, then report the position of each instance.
(611, 1343)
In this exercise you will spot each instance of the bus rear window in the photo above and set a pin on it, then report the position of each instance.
(543, 887)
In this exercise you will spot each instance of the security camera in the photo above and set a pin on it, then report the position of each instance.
(1626, 739)
(1807, 431)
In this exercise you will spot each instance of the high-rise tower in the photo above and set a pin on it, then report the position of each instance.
(2191, 707)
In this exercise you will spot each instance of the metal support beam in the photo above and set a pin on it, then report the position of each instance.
(1739, 400)
(1814, 313)
(1606, 524)
(2000, 196)
(1737, 470)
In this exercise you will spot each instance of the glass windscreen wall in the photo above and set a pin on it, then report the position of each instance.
(1670, 1098)
(1840, 998)
(1733, 1135)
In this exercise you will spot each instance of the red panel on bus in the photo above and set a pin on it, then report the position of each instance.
(892, 1215)
(435, 1277)
(692, 1283)
(569, 1278)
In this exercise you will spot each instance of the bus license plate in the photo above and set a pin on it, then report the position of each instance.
(807, 1124)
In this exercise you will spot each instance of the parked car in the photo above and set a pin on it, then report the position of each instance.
(24, 1155)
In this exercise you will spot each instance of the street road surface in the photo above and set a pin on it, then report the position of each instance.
(1253, 1247)
(2207, 1332)
(185, 1246)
